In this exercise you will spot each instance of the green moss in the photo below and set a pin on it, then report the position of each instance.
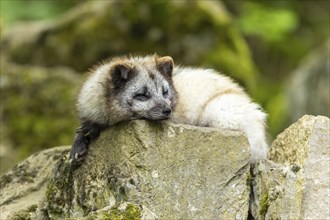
(21, 215)
(20, 173)
(6, 179)
(263, 204)
(59, 189)
(248, 179)
(132, 212)
(25, 214)
(32, 208)
(114, 214)
(295, 168)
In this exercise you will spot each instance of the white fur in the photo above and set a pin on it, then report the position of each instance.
(207, 98)
(91, 103)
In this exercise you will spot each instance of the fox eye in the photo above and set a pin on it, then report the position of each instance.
(141, 97)
(165, 92)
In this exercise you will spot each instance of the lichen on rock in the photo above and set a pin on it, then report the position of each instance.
(296, 184)
(149, 170)
(138, 162)
(23, 188)
(276, 191)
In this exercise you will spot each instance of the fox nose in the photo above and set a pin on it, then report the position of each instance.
(167, 111)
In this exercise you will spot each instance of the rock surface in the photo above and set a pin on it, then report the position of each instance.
(277, 191)
(25, 185)
(178, 172)
(298, 186)
(149, 170)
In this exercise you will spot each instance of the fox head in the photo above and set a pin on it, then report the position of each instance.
(143, 87)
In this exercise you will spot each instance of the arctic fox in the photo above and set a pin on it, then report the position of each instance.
(150, 87)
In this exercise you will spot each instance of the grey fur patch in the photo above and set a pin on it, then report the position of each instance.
(151, 83)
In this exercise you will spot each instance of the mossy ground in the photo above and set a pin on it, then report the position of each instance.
(264, 204)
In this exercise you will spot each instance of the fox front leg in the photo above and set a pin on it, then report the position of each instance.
(85, 134)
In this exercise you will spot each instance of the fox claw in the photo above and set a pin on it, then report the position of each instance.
(79, 150)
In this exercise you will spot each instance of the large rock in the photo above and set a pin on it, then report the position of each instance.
(298, 186)
(177, 172)
(304, 143)
(148, 170)
(24, 187)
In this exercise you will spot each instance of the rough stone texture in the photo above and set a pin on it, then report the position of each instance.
(176, 171)
(277, 191)
(123, 211)
(303, 148)
(303, 142)
(149, 170)
(24, 186)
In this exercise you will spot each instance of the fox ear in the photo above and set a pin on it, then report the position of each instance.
(121, 73)
(165, 65)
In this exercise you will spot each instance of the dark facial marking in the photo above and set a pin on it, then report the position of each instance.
(121, 74)
(165, 66)
(142, 95)
(165, 91)
(151, 75)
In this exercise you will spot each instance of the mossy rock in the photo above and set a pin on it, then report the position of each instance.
(136, 170)
(125, 211)
(23, 188)
(166, 167)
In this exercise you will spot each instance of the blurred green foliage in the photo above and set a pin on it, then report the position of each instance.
(270, 24)
(39, 110)
(12, 11)
(280, 34)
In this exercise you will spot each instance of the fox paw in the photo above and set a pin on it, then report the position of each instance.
(79, 151)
